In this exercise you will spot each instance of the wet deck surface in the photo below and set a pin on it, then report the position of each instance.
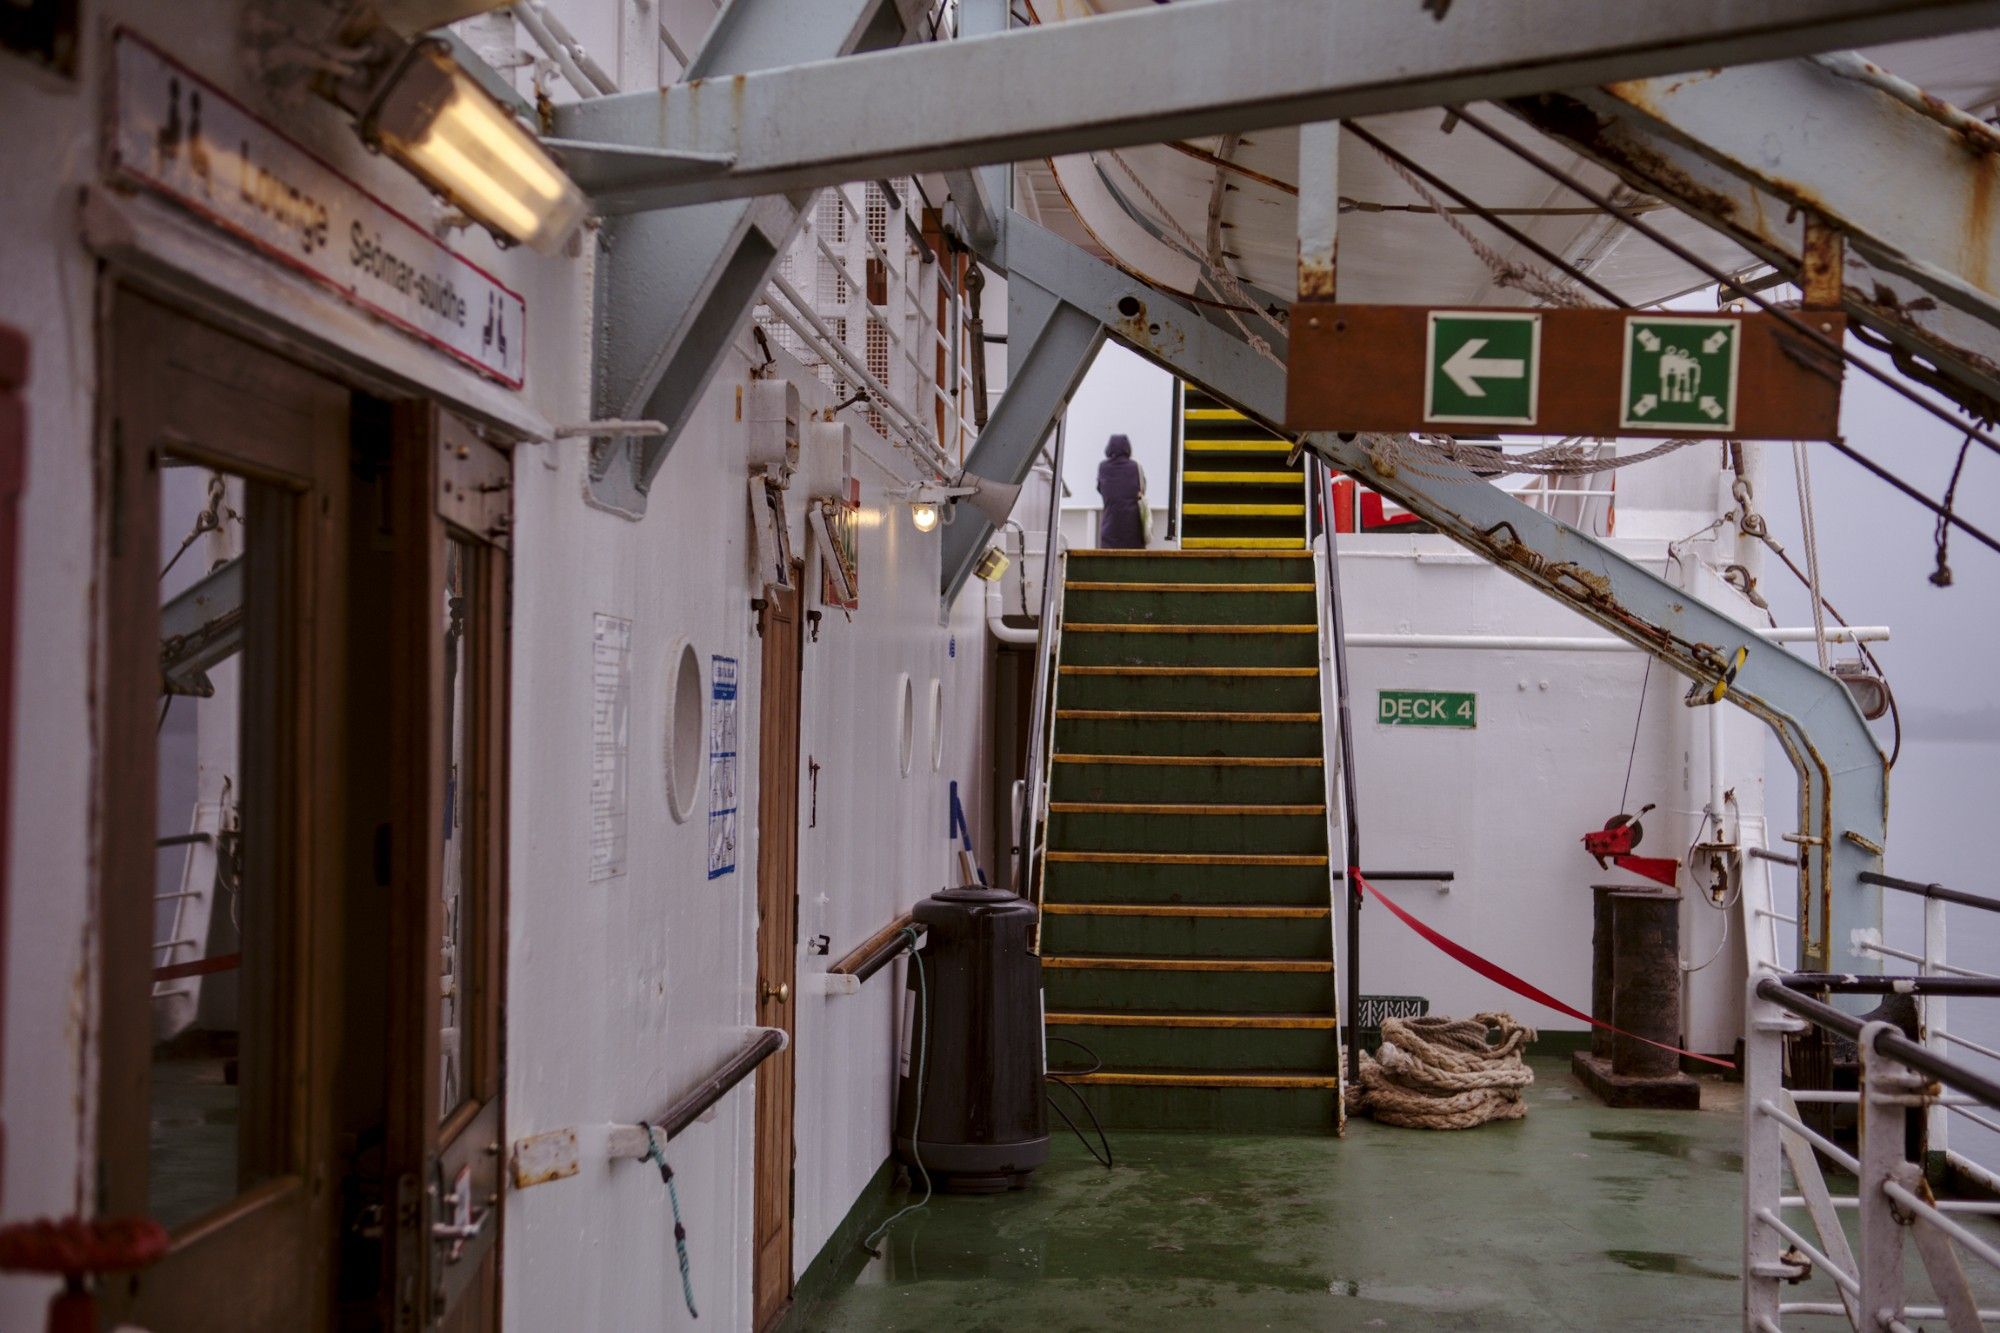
(1576, 1217)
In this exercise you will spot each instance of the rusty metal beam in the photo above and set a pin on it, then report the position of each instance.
(1766, 152)
(1842, 774)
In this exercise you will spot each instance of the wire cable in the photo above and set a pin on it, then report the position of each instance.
(917, 1123)
(1056, 1076)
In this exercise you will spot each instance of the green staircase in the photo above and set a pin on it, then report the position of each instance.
(1186, 936)
(1236, 492)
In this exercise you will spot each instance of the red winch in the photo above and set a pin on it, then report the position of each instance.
(1614, 843)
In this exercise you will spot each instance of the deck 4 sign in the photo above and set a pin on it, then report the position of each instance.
(1482, 366)
(1681, 373)
(1427, 708)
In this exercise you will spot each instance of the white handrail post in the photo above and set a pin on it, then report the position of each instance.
(1937, 1118)
(1884, 1085)
(1764, 1266)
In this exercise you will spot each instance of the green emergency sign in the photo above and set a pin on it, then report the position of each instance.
(1427, 708)
(1482, 367)
(1680, 374)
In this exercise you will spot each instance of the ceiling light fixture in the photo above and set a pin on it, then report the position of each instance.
(432, 117)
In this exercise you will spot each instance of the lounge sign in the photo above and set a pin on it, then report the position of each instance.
(181, 136)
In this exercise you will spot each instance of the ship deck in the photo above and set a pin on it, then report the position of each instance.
(1575, 1217)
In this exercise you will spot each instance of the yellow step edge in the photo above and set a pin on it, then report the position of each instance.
(1173, 715)
(1187, 858)
(1191, 760)
(1213, 414)
(1169, 553)
(1237, 446)
(1293, 672)
(1189, 629)
(1241, 478)
(1159, 808)
(1074, 962)
(1243, 511)
(1091, 585)
(1242, 545)
(1202, 911)
(1118, 1077)
(1130, 1020)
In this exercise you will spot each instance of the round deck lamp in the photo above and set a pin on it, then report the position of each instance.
(924, 515)
(430, 116)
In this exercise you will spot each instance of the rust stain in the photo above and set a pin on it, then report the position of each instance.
(1567, 118)
(1977, 230)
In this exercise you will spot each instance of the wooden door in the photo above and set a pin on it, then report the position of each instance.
(447, 914)
(777, 942)
(220, 814)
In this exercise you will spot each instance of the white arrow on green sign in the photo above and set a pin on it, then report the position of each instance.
(1482, 367)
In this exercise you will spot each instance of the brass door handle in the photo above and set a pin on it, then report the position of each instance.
(780, 992)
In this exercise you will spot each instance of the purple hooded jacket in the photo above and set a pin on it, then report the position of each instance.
(1121, 482)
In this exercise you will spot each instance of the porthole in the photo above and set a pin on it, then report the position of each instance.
(937, 724)
(906, 721)
(685, 735)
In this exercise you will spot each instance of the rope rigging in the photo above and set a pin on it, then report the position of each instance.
(1447, 1073)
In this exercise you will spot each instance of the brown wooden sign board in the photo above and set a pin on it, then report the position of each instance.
(1598, 373)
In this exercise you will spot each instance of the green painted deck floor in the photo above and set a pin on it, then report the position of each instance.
(1577, 1217)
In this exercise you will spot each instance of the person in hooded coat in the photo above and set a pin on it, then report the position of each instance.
(1122, 483)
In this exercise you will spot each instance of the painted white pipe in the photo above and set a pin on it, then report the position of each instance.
(995, 608)
(1597, 643)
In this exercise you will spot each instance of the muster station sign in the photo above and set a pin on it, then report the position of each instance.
(1596, 373)
(184, 138)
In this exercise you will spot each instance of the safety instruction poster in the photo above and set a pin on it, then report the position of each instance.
(722, 825)
(610, 750)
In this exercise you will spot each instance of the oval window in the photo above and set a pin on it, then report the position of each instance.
(906, 725)
(684, 735)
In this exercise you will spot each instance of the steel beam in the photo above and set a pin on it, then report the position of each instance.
(1750, 150)
(673, 291)
(1050, 344)
(1162, 73)
(1842, 775)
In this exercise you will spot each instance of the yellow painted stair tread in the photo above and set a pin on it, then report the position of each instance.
(1294, 672)
(1082, 628)
(1174, 715)
(1085, 962)
(1214, 414)
(1241, 478)
(1270, 446)
(1199, 911)
(1188, 858)
(1164, 1080)
(1169, 553)
(1092, 585)
(1243, 510)
(1313, 1021)
(1160, 808)
(1243, 545)
(1203, 760)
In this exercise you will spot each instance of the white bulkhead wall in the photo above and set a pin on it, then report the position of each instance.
(1506, 805)
(622, 991)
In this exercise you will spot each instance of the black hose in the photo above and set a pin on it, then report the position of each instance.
(1055, 1076)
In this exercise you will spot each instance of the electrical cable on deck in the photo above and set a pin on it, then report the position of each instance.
(680, 1232)
(917, 1123)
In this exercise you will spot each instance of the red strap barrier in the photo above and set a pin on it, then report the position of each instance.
(1494, 972)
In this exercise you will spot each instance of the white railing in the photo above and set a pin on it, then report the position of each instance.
(1790, 1236)
(861, 299)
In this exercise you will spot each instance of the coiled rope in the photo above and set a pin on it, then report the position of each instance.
(1447, 1073)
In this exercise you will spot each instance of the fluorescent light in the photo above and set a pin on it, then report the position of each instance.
(444, 127)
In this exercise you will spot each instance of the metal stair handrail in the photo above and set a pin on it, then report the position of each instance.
(1035, 795)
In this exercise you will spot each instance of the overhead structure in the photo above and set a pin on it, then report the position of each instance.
(1162, 73)
(1842, 814)
(674, 288)
(1901, 182)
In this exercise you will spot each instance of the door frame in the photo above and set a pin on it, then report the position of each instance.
(170, 379)
(774, 1150)
(441, 469)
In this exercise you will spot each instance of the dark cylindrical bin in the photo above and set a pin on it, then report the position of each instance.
(973, 1030)
(1646, 981)
(1600, 966)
